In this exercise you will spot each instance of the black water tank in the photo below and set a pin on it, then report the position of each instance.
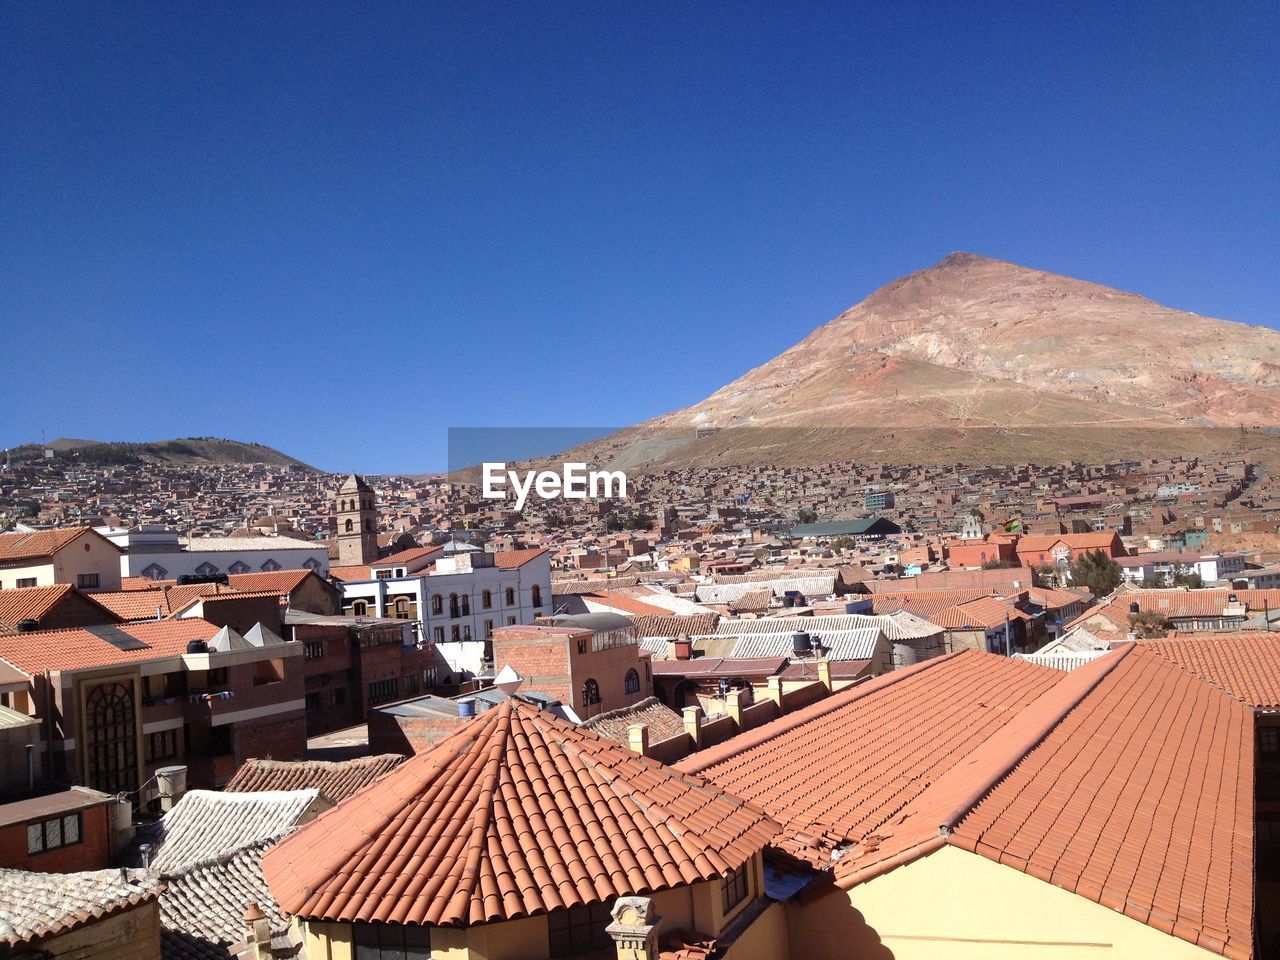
(197, 646)
(28, 626)
(1134, 608)
(800, 644)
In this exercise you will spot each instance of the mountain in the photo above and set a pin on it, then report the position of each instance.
(186, 450)
(978, 359)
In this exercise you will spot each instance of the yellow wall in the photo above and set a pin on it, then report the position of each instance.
(955, 905)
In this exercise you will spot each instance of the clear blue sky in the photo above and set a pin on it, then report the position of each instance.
(342, 229)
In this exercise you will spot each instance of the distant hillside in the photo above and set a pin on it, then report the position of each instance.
(210, 450)
(979, 360)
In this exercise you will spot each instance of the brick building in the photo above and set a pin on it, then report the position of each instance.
(591, 662)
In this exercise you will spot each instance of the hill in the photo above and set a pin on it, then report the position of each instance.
(975, 360)
(186, 450)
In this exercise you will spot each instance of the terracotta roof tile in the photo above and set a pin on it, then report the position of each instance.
(336, 780)
(87, 647)
(37, 544)
(35, 603)
(351, 573)
(516, 813)
(510, 559)
(1245, 665)
(40, 905)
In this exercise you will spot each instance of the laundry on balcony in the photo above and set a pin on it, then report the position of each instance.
(205, 697)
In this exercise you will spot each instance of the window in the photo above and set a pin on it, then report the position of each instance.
(582, 646)
(153, 571)
(1269, 743)
(453, 604)
(162, 745)
(466, 632)
(466, 604)
(511, 621)
(87, 581)
(112, 738)
(238, 567)
(631, 684)
(511, 597)
(206, 570)
(53, 833)
(382, 574)
(488, 629)
(269, 566)
(380, 691)
(338, 697)
(401, 608)
(217, 677)
(25, 582)
(313, 650)
(590, 693)
(735, 887)
(360, 608)
(486, 599)
(349, 526)
(578, 930)
(312, 564)
(438, 633)
(455, 632)
(537, 595)
(437, 604)
(391, 941)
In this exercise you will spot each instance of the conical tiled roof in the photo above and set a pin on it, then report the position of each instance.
(515, 814)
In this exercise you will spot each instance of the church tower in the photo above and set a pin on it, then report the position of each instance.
(357, 523)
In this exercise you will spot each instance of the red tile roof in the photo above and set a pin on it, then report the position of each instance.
(36, 545)
(925, 603)
(335, 779)
(985, 612)
(510, 559)
(837, 770)
(351, 573)
(406, 556)
(516, 813)
(85, 647)
(675, 624)
(627, 605)
(281, 581)
(35, 603)
(1245, 665)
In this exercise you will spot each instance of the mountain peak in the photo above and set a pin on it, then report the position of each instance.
(960, 258)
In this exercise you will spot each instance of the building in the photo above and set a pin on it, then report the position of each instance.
(1167, 567)
(1021, 811)
(117, 702)
(158, 553)
(458, 600)
(1060, 550)
(357, 512)
(591, 662)
(78, 556)
(51, 608)
(523, 836)
(100, 914)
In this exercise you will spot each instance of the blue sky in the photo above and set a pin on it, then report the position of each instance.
(343, 229)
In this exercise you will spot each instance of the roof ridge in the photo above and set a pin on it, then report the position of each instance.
(1078, 684)
(704, 759)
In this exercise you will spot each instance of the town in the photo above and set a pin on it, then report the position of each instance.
(200, 660)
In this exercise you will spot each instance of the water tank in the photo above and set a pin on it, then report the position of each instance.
(172, 784)
(197, 646)
(800, 644)
(27, 626)
(467, 707)
(1134, 608)
(909, 651)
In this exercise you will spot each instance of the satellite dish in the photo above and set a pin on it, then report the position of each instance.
(508, 681)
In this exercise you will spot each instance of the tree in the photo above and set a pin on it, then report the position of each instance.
(1097, 571)
(807, 515)
(1043, 575)
(844, 543)
(998, 564)
(1192, 580)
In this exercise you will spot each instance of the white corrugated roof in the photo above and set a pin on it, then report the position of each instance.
(206, 824)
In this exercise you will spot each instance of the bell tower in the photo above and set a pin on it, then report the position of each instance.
(357, 522)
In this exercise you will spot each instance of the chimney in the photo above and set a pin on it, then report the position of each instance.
(824, 672)
(733, 706)
(693, 725)
(774, 690)
(638, 738)
(634, 929)
(259, 938)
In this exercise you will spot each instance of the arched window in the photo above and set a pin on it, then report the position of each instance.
(511, 597)
(206, 569)
(350, 526)
(402, 608)
(537, 595)
(368, 526)
(466, 604)
(238, 567)
(590, 693)
(631, 684)
(360, 608)
(270, 566)
(111, 726)
(453, 604)
(437, 604)
(486, 599)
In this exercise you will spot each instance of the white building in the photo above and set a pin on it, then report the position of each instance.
(158, 553)
(1212, 567)
(458, 598)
